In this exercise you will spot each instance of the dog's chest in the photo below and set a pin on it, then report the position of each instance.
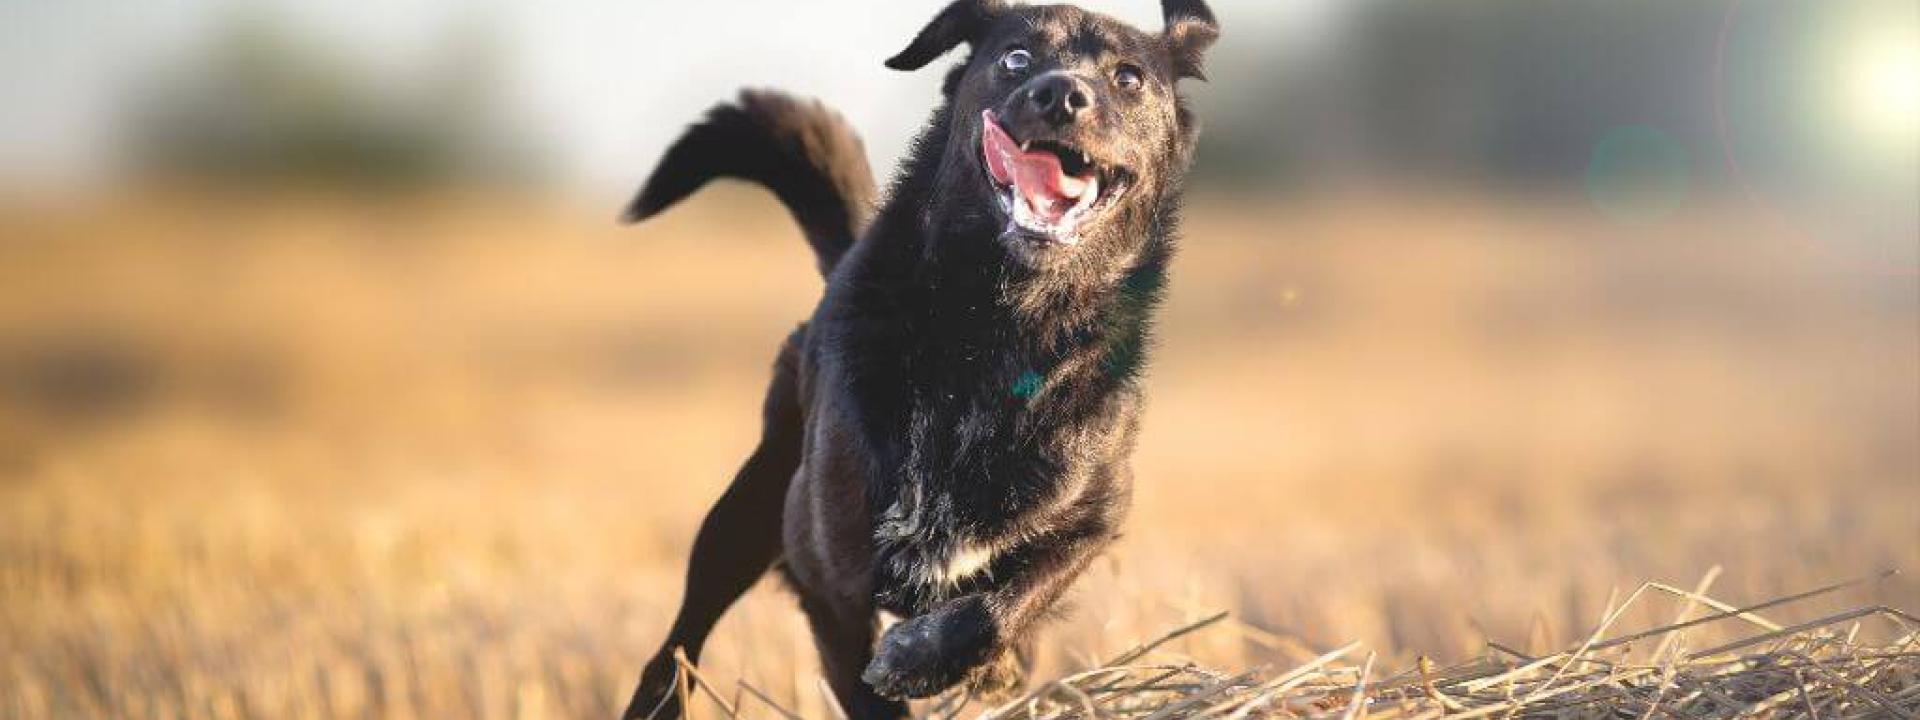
(982, 433)
(994, 429)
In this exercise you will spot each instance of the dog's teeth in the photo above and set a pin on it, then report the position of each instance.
(1026, 146)
(1086, 159)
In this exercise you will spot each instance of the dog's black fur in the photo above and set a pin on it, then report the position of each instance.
(947, 438)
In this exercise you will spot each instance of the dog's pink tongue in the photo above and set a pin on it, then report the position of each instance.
(1035, 175)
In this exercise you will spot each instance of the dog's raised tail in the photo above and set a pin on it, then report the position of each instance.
(805, 153)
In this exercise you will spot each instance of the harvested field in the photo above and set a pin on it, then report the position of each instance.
(324, 457)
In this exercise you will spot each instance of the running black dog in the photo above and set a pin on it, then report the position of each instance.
(947, 438)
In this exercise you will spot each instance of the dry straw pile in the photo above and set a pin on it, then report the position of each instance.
(1824, 668)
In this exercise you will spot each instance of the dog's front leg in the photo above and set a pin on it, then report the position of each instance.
(926, 654)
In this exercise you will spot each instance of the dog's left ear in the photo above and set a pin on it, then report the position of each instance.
(963, 21)
(1190, 30)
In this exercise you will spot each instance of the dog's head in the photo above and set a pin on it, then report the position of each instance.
(1064, 127)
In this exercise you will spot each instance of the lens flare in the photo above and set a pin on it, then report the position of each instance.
(1637, 173)
(1880, 86)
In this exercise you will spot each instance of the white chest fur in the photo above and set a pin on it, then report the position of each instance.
(961, 563)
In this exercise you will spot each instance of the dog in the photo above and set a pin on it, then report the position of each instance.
(946, 439)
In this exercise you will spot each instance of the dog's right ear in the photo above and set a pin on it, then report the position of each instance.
(963, 21)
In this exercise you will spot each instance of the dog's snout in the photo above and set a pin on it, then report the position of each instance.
(1058, 98)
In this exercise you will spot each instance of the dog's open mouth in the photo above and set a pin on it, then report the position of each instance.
(1047, 189)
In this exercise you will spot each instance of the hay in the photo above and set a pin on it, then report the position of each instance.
(1818, 669)
(1824, 669)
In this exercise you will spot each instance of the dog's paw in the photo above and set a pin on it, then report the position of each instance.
(922, 656)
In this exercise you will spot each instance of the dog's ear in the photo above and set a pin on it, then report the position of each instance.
(963, 21)
(1190, 30)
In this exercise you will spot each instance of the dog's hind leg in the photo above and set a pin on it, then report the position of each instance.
(738, 542)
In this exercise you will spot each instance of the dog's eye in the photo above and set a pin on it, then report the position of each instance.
(1016, 60)
(1127, 77)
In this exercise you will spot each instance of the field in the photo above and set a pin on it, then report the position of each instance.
(306, 456)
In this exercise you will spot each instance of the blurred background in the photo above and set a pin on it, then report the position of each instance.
(330, 387)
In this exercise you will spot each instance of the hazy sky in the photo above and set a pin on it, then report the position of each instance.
(602, 83)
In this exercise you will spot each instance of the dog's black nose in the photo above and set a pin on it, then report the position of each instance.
(1059, 98)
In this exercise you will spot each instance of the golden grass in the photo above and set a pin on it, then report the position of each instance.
(444, 459)
(1819, 668)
